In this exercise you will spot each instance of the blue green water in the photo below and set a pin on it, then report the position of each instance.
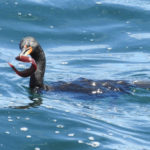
(94, 39)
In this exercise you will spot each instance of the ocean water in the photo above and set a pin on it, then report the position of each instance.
(93, 39)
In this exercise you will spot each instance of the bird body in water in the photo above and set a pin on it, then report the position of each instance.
(29, 46)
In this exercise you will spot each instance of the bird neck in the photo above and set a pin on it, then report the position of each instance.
(37, 78)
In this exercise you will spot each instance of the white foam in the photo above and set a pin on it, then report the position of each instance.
(140, 36)
(24, 129)
(28, 136)
(57, 132)
(7, 132)
(71, 134)
(80, 141)
(91, 138)
(36, 148)
(144, 4)
(60, 126)
(94, 144)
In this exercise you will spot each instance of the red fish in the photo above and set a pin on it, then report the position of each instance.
(27, 72)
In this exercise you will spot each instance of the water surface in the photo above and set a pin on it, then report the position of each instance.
(91, 39)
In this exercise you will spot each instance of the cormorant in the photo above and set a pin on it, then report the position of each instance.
(29, 46)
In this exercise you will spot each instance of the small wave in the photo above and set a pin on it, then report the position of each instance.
(144, 4)
(39, 1)
(140, 36)
(65, 3)
(82, 47)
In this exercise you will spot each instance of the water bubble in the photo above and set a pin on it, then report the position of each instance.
(36, 99)
(19, 13)
(119, 82)
(49, 107)
(128, 33)
(98, 3)
(94, 144)
(71, 134)
(110, 134)
(99, 91)
(29, 14)
(79, 104)
(36, 148)
(27, 118)
(7, 132)
(51, 27)
(67, 110)
(18, 117)
(127, 22)
(54, 120)
(140, 47)
(24, 129)
(94, 92)
(60, 126)
(88, 129)
(109, 48)
(91, 138)
(115, 89)
(57, 132)
(10, 120)
(28, 136)
(80, 141)
(134, 91)
(93, 34)
(109, 87)
(92, 40)
(64, 63)
(93, 83)
(16, 3)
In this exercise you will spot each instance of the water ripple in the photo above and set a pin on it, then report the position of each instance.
(98, 39)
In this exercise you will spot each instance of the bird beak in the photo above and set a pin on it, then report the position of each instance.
(26, 51)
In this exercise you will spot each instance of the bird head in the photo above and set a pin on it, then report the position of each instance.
(28, 46)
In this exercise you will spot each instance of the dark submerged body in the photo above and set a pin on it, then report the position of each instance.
(92, 87)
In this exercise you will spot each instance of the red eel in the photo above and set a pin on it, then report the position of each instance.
(27, 72)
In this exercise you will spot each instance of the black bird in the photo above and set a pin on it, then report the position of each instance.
(29, 46)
